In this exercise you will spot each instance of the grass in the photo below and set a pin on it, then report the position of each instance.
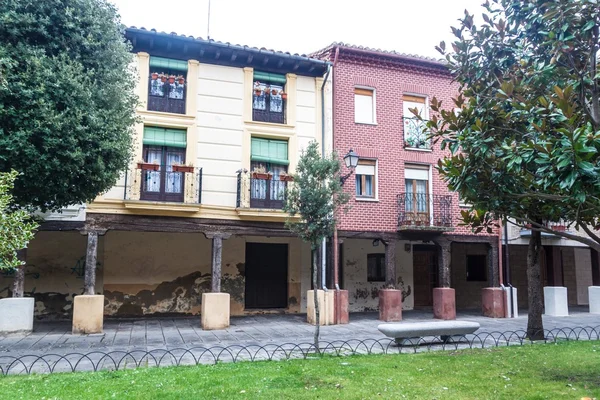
(568, 370)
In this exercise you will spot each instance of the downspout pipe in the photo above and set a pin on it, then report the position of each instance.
(324, 243)
(335, 246)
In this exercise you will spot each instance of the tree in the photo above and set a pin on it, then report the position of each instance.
(16, 227)
(314, 198)
(67, 105)
(524, 136)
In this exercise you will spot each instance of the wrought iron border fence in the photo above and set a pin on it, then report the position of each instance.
(120, 360)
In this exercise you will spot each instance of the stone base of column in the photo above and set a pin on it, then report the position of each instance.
(390, 305)
(326, 305)
(341, 307)
(444, 303)
(555, 301)
(594, 295)
(88, 314)
(215, 311)
(493, 302)
(16, 314)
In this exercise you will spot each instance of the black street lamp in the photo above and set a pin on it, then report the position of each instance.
(351, 161)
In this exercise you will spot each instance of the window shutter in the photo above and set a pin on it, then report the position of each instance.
(363, 92)
(413, 99)
(420, 174)
(156, 136)
(266, 150)
(362, 169)
(168, 63)
(269, 77)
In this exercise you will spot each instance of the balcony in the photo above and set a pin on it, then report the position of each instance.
(424, 212)
(415, 134)
(261, 192)
(167, 94)
(164, 183)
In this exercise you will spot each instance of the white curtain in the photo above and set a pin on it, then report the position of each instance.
(153, 177)
(174, 180)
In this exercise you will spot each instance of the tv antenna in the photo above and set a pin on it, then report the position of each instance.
(208, 24)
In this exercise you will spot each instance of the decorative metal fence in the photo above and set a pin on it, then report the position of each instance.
(119, 360)
(422, 211)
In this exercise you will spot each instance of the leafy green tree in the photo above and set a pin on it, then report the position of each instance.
(67, 102)
(524, 133)
(16, 226)
(314, 199)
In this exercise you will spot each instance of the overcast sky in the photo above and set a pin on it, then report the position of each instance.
(407, 26)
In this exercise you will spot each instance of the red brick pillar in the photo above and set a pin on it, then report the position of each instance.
(444, 298)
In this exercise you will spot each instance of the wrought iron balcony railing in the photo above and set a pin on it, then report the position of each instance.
(423, 211)
(266, 192)
(167, 96)
(415, 134)
(165, 183)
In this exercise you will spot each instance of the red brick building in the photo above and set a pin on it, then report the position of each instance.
(403, 224)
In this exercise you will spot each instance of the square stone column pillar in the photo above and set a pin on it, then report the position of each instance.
(493, 297)
(88, 309)
(19, 279)
(444, 298)
(216, 306)
(390, 298)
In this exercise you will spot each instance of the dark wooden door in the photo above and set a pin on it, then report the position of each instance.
(266, 275)
(164, 184)
(425, 274)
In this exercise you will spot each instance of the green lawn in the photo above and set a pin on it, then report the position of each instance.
(568, 370)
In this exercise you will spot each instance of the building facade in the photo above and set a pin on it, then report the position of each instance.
(401, 212)
(199, 210)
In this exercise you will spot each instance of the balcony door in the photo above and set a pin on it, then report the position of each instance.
(417, 204)
(164, 184)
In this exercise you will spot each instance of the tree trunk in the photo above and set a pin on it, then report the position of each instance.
(19, 280)
(315, 266)
(535, 326)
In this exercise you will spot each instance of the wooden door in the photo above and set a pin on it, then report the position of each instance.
(425, 270)
(266, 275)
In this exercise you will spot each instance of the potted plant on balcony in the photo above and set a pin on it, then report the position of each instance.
(163, 77)
(154, 76)
(172, 78)
(285, 177)
(283, 95)
(183, 168)
(261, 173)
(181, 80)
(143, 165)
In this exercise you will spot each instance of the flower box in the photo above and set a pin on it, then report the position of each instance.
(286, 178)
(261, 175)
(148, 166)
(183, 168)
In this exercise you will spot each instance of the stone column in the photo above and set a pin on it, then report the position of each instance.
(88, 309)
(19, 279)
(91, 259)
(493, 302)
(215, 305)
(390, 298)
(444, 298)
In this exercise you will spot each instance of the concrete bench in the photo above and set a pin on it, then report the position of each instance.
(403, 331)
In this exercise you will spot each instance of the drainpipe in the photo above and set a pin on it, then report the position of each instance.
(335, 246)
(500, 273)
(324, 243)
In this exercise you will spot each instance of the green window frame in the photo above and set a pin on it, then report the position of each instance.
(168, 63)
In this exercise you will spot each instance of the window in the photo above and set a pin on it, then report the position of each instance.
(269, 160)
(167, 85)
(376, 267)
(476, 268)
(417, 194)
(269, 97)
(414, 135)
(364, 106)
(163, 150)
(365, 178)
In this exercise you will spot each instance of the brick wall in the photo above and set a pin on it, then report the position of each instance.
(385, 141)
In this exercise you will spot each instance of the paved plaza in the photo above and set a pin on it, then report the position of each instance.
(257, 330)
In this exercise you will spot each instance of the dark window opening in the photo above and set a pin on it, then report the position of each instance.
(269, 102)
(376, 267)
(167, 90)
(476, 268)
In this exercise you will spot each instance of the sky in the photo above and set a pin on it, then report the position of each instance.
(304, 26)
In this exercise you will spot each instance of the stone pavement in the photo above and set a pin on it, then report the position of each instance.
(256, 330)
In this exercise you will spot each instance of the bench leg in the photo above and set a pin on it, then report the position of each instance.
(407, 341)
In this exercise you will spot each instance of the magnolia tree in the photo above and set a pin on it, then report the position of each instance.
(524, 134)
(312, 202)
(16, 228)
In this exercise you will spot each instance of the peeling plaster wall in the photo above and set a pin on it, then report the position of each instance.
(468, 293)
(162, 274)
(55, 261)
(363, 295)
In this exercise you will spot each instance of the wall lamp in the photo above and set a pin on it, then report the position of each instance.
(351, 161)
